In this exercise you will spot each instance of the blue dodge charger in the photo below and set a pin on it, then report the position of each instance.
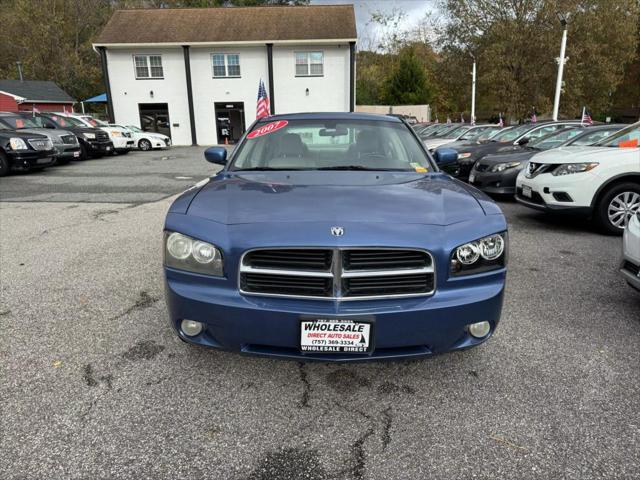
(334, 237)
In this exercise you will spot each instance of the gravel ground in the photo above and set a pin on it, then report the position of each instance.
(95, 385)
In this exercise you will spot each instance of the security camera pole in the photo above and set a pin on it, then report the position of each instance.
(473, 91)
(561, 60)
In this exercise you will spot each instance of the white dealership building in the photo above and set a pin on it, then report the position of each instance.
(194, 73)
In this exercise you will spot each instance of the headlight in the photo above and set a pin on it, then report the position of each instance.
(500, 167)
(18, 144)
(115, 133)
(464, 155)
(186, 253)
(488, 253)
(90, 136)
(569, 168)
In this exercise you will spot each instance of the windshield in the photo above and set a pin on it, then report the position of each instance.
(134, 129)
(589, 138)
(17, 122)
(456, 132)
(474, 133)
(66, 121)
(554, 139)
(331, 145)
(512, 133)
(626, 138)
(445, 131)
(95, 122)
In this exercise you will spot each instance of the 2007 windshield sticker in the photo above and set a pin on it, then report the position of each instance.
(267, 129)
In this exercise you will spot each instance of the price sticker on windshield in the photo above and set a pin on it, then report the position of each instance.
(268, 128)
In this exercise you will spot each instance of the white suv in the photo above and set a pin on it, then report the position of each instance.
(601, 181)
(121, 137)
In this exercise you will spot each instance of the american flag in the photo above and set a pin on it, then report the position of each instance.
(500, 122)
(586, 117)
(262, 110)
(534, 116)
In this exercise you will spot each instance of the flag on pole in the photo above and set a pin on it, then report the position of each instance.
(534, 117)
(262, 109)
(500, 121)
(586, 117)
(461, 118)
(448, 120)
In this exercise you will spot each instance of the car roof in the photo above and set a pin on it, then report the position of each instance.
(332, 116)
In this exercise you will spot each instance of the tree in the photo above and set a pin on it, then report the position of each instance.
(516, 42)
(407, 84)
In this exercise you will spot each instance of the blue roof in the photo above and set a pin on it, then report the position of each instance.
(332, 116)
(102, 98)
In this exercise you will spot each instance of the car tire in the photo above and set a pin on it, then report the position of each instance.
(144, 145)
(84, 155)
(4, 165)
(615, 206)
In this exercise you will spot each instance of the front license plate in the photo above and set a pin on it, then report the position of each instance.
(76, 154)
(335, 336)
(472, 177)
(41, 161)
(108, 148)
(526, 191)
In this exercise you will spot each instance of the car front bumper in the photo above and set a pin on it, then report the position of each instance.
(499, 182)
(68, 152)
(122, 143)
(404, 328)
(571, 194)
(29, 159)
(99, 147)
(630, 265)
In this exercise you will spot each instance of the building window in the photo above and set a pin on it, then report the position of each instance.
(225, 65)
(148, 66)
(309, 64)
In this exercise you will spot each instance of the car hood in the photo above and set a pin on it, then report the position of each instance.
(432, 143)
(386, 197)
(154, 135)
(521, 156)
(582, 154)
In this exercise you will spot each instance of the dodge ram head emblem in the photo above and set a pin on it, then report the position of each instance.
(337, 231)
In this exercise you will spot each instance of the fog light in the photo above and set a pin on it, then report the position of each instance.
(191, 328)
(480, 329)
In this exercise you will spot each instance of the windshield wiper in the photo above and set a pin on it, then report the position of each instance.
(266, 169)
(362, 167)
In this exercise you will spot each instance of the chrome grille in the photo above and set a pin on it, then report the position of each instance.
(337, 273)
(102, 136)
(41, 144)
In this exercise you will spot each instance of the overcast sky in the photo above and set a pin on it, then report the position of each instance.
(414, 9)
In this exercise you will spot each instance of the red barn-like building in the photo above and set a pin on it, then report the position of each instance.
(23, 96)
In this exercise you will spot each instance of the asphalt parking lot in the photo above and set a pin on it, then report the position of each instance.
(95, 385)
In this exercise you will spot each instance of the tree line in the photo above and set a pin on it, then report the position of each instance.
(515, 44)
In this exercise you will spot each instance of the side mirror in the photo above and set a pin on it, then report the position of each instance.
(445, 156)
(216, 155)
(523, 141)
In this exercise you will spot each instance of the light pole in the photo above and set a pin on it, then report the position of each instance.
(473, 92)
(561, 60)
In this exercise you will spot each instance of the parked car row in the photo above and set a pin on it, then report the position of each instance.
(33, 140)
(559, 167)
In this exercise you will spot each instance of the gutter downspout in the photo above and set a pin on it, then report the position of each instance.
(272, 100)
(352, 76)
(187, 71)
(107, 84)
